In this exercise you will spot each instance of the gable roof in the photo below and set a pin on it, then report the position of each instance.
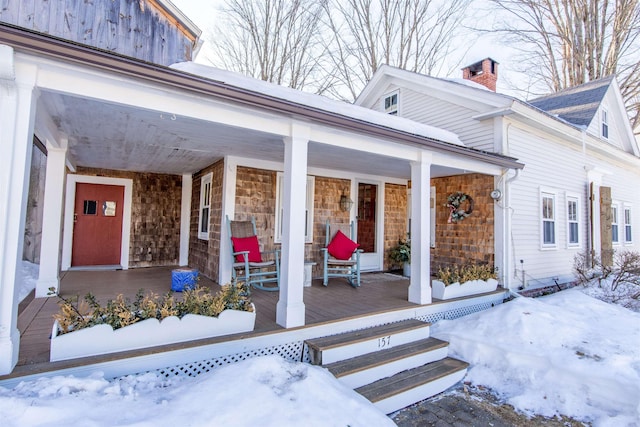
(577, 105)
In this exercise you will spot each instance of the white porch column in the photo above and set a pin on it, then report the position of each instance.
(17, 112)
(185, 218)
(290, 309)
(228, 209)
(420, 285)
(52, 221)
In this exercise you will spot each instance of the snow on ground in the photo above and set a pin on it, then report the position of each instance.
(265, 391)
(567, 353)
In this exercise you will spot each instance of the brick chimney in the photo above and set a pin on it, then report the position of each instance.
(484, 72)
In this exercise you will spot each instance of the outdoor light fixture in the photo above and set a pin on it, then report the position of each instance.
(345, 202)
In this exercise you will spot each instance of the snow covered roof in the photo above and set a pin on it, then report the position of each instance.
(305, 99)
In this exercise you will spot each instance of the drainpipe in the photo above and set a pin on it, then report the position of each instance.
(509, 242)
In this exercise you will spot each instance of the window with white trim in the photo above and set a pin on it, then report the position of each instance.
(205, 206)
(548, 219)
(628, 235)
(604, 115)
(615, 235)
(573, 225)
(390, 104)
(308, 228)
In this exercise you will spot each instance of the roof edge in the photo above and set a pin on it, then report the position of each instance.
(67, 51)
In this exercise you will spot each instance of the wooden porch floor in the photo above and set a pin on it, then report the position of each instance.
(378, 292)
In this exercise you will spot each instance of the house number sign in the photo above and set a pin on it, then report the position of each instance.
(384, 342)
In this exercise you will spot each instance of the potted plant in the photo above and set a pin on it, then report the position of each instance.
(83, 327)
(401, 254)
(453, 282)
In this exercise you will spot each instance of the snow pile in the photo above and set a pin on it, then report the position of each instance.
(624, 295)
(265, 391)
(566, 353)
(27, 280)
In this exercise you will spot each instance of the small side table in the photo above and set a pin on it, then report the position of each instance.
(308, 273)
(183, 278)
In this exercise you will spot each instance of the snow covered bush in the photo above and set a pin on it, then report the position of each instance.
(618, 282)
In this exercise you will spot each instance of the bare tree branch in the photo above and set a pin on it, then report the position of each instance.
(273, 40)
(571, 42)
(415, 35)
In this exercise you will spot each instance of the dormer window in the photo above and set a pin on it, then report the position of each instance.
(391, 103)
(605, 123)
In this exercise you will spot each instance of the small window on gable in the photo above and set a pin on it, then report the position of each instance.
(548, 219)
(615, 234)
(308, 211)
(205, 207)
(391, 103)
(573, 227)
(605, 123)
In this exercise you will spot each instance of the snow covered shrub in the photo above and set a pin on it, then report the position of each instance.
(617, 283)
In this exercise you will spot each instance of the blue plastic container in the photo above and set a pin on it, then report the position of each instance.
(183, 279)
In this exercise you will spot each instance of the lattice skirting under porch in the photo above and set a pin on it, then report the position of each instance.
(297, 351)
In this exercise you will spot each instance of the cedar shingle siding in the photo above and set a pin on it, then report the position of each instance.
(472, 239)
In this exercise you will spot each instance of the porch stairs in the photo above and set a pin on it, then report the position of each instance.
(392, 365)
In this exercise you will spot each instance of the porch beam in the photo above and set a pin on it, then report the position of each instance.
(420, 284)
(49, 276)
(290, 310)
(17, 113)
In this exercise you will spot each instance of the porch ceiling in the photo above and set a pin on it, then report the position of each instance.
(112, 136)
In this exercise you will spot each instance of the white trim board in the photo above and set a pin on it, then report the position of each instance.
(67, 238)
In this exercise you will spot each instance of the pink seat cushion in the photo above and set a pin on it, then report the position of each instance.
(342, 247)
(241, 244)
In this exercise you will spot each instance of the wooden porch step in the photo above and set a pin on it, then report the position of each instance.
(365, 369)
(407, 387)
(338, 347)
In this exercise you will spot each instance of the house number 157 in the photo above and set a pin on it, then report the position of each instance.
(384, 341)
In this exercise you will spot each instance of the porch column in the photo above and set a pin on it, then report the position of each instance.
(290, 309)
(17, 112)
(185, 218)
(420, 285)
(228, 209)
(52, 221)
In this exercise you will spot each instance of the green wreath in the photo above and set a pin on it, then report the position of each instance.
(455, 202)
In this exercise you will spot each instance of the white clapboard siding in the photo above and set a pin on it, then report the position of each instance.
(554, 168)
(447, 115)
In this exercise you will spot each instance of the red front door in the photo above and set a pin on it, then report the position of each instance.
(97, 229)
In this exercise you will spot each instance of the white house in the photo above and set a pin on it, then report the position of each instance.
(161, 137)
(577, 146)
